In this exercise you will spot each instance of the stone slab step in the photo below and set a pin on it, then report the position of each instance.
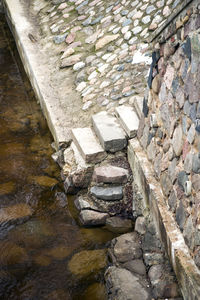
(112, 137)
(110, 174)
(107, 193)
(129, 119)
(88, 145)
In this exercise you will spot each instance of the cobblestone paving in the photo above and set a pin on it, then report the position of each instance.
(105, 44)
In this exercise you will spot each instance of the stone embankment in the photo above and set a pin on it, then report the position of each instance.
(94, 56)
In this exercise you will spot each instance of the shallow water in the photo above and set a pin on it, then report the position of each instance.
(39, 232)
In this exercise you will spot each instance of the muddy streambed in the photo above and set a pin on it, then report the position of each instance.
(44, 254)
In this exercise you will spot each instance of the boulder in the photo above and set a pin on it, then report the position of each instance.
(123, 285)
(127, 247)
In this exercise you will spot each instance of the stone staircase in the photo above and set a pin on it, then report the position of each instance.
(92, 149)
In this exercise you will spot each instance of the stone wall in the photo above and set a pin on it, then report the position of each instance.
(170, 127)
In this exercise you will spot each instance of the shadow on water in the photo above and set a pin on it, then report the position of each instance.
(39, 234)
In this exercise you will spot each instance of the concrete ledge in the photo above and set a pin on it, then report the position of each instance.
(38, 68)
(186, 271)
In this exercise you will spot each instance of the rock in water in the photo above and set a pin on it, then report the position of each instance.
(86, 262)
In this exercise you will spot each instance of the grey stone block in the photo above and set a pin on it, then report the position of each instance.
(112, 137)
(108, 193)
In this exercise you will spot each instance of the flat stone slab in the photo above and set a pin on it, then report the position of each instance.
(107, 193)
(92, 218)
(110, 174)
(118, 225)
(128, 119)
(123, 285)
(87, 144)
(112, 137)
(138, 105)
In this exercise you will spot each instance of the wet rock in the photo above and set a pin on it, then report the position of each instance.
(127, 247)
(136, 266)
(42, 260)
(45, 181)
(110, 174)
(121, 283)
(12, 254)
(15, 212)
(118, 225)
(7, 188)
(107, 193)
(87, 262)
(95, 291)
(92, 218)
(60, 252)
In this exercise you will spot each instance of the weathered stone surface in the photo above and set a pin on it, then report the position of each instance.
(153, 258)
(107, 193)
(162, 281)
(136, 266)
(15, 212)
(196, 164)
(177, 140)
(82, 203)
(87, 261)
(196, 182)
(109, 132)
(118, 224)
(106, 40)
(121, 284)
(70, 61)
(127, 247)
(169, 76)
(140, 225)
(110, 174)
(181, 215)
(128, 119)
(92, 218)
(88, 145)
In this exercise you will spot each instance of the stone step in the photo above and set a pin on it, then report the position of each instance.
(112, 137)
(88, 145)
(92, 218)
(129, 119)
(107, 193)
(110, 174)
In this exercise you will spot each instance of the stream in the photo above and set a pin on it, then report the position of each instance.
(39, 231)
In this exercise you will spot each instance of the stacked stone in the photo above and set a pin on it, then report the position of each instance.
(140, 267)
(170, 126)
(100, 39)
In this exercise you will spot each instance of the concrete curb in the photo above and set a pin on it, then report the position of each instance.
(37, 68)
(186, 271)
